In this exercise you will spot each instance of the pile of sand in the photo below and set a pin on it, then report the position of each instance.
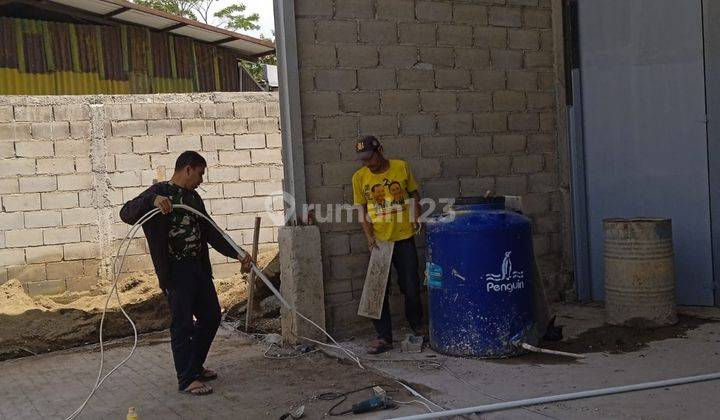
(33, 325)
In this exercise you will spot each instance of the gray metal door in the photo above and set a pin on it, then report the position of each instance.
(644, 132)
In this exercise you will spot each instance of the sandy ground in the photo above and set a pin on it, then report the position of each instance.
(33, 325)
(250, 386)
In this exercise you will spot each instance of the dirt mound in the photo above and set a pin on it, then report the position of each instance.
(46, 323)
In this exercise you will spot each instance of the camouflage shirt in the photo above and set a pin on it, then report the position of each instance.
(184, 238)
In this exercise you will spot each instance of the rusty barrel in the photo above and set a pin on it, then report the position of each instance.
(639, 272)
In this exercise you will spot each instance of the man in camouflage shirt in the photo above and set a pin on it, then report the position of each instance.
(178, 242)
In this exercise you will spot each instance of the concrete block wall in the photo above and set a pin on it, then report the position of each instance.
(67, 164)
(463, 90)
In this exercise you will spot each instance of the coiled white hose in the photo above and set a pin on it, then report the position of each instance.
(117, 269)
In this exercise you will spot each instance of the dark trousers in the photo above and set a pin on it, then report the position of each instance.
(192, 293)
(405, 261)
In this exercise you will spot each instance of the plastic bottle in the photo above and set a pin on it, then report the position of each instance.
(132, 415)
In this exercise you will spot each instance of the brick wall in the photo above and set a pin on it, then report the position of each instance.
(463, 90)
(67, 164)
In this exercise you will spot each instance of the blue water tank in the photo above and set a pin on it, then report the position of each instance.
(479, 275)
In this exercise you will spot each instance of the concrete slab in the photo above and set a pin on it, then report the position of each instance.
(250, 385)
(691, 348)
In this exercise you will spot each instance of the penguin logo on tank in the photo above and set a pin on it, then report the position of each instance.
(508, 280)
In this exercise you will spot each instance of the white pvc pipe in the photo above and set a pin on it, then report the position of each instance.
(487, 408)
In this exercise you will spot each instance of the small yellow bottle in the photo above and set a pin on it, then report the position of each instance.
(132, 415)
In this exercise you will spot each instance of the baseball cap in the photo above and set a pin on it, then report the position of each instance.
(366, 147)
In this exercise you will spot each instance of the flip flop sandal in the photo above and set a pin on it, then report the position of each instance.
(379, 346)
(197, 391)
(208, 375)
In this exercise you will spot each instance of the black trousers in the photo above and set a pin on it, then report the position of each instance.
(405, 261)
(192, 293)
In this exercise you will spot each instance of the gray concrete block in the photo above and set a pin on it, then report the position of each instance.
(474, 145)
(506, 59)
(527, 164)
(314, 8)
(486, 80)
(537, 18)
(505, 16)
(508, 101)
(416, 79)
(490, 122)
(493, 165)
(455, 123)
(378, 32)
(336, 79)
(541, 100)
(333, 31)
(457, 167)
(438, 57)
(418, 33)
(50, 287)
(379, 125)
(474, 101)
(403, 102)
(539, 60)
(488, 37)
(541, 143)
(452, 78)
(317, 55)
(337, 127)
(302, 283)
(520, 39)
(473, 14)
(523, 122)
(437, 146)
(398, 56)
(375, 79)
(522, 80)
(365, 103)
(354, 9)
(438, 101)
(509, 143)
(476, 186)
(421, 124)
(511, 185)
(433, 11)
(395, 9)
(357, 56)
(436, 189)
(543, 182)
(455, 35)
(472, 58)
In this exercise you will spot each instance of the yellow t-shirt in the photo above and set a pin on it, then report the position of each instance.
(386, 196)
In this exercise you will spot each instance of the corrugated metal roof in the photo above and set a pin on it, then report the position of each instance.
(124, 11)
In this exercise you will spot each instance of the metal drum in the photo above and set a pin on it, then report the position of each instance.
(480, 279)
(639, 272)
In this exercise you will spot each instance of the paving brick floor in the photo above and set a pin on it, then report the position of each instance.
(51, 386)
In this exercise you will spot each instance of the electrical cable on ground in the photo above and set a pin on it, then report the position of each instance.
(508, 405)
(332, 396)
(117, 270)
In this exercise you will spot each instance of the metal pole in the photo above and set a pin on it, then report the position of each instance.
(250, 306)
(290, 116)
(487, 408)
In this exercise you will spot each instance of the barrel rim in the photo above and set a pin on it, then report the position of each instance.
(466, 201)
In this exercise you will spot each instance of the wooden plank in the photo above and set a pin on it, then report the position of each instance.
(373, 295)
(251, 278)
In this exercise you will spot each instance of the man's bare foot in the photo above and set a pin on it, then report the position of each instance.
(208, 375)
(197, 388)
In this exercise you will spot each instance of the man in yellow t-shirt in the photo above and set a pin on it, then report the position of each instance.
(390, 207)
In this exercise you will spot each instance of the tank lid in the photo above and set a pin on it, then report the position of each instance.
(466, 201)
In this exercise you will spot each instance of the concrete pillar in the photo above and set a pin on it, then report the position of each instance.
(301, 277)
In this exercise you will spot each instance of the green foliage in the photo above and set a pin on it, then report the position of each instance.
(234, 17)
(182, 8)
